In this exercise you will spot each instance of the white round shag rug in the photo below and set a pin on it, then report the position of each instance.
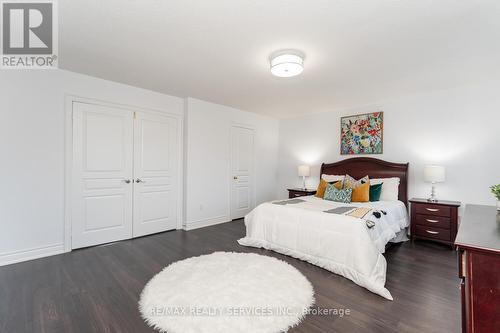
(226, 292)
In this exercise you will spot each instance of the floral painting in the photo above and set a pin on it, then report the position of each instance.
(362, 134)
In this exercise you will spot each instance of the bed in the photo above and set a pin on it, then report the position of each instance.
(340, 243)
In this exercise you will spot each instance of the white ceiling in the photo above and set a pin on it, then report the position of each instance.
(357, 51)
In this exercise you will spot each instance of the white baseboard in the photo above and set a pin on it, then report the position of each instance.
(207, 222)
(30, 254)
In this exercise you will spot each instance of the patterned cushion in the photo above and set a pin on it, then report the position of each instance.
(350, 182)
(333, 178)
(320, 191)
(334, 194)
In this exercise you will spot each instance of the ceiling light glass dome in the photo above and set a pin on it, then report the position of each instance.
(287, 64)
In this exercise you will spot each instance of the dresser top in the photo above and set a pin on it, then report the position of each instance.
(439, 202)
(479, 228)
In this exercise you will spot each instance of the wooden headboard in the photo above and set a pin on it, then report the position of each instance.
(359, 167)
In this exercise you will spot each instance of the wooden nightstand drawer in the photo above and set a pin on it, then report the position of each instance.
(430, 209)
(298, 192)
(433, 221)
(434, 233)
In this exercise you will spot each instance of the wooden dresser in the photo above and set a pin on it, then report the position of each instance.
(478, 243)
(436, 221)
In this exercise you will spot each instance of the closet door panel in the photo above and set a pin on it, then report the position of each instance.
(156, 156)
(102, 185)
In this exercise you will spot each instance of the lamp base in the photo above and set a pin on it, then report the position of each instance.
(433, 198)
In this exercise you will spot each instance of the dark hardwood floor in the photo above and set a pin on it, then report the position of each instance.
(97, 289)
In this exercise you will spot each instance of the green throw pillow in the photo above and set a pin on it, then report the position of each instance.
(333, 194)
(375, 192)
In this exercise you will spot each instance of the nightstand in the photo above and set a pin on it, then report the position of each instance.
(436, 221)
(299, 192)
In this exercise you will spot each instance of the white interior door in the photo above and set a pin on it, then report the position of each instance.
(102, 174)
(156, 158)
(242, 171)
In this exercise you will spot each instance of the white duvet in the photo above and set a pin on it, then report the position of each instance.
(339, 243)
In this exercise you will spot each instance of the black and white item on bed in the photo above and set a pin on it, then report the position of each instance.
(377, 214)
(347, 210)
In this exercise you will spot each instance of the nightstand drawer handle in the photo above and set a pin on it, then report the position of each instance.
(432, 209)
(432, 221)
(432, 232)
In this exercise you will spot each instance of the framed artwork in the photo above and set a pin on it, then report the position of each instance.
(362, 134)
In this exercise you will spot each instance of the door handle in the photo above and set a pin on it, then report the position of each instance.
(138, 180)
(235, 177)
(127, 181)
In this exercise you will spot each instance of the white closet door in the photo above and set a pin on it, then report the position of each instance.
(242, 166)
(156, 157)
(102, 174)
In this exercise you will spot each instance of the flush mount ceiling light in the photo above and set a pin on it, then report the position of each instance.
(287, 63)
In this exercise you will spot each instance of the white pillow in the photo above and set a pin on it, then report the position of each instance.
(390, 188)
(333, 178)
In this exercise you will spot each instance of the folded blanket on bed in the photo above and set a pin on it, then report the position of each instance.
(340, 210)
(288, 202)
(360, 212)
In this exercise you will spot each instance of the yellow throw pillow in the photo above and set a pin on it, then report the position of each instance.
(361, 193)
(320, 191)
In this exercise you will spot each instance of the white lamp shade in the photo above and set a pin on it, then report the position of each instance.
(304, 170)
(434, 174)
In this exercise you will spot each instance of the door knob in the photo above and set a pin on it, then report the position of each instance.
(138, 180)
(235, 177)
(127, 181)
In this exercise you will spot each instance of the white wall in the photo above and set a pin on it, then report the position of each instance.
(208, 160)
(457, 128)
(32, 152)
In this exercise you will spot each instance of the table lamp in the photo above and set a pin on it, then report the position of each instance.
(434, 174)
(304, 171)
